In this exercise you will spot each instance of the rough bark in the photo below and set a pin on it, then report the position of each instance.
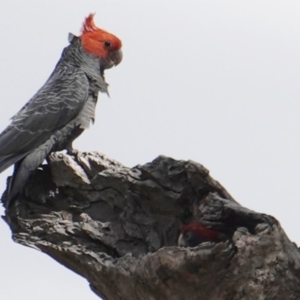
(118, 227)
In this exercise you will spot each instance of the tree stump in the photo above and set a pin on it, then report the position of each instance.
(118, 227)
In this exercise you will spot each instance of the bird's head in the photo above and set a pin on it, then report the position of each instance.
(194, 234)
(101, 43)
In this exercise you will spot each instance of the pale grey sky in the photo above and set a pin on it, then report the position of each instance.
(212, 81)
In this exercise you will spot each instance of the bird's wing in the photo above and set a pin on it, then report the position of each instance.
(58, 102)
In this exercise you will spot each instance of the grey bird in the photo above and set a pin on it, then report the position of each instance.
(62, 109)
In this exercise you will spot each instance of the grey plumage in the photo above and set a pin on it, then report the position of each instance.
(55, 116)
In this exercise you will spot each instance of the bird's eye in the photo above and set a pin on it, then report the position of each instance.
(107, 44)
(188, 236)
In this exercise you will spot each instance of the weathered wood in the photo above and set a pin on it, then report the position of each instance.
(118, 227)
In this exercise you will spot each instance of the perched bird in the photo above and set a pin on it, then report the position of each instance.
(194, 234)
(65, 105)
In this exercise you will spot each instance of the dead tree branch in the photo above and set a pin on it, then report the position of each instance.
(118, 227)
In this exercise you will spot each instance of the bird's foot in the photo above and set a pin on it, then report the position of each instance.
(71, 151)
(74, 152)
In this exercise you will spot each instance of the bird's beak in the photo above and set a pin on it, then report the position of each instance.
(181, 241)
(116, 57)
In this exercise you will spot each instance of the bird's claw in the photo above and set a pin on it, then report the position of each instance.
(75, 153)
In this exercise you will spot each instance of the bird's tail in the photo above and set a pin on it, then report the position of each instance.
(9, 160)
(24, 168)
(17, 182)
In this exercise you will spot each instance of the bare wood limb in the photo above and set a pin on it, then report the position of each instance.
(118, 227)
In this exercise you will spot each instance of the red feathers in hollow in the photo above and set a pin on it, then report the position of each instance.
(194, 234)
(202, 231)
